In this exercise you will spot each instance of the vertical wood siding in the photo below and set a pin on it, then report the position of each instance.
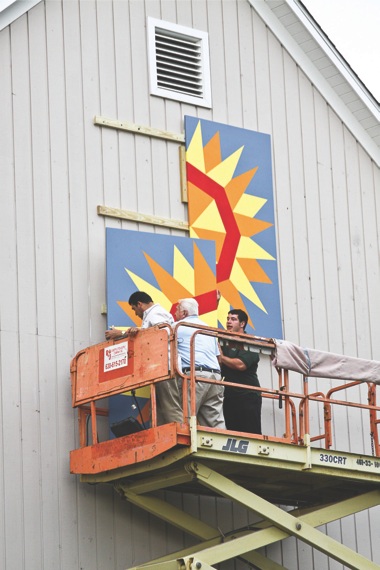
(61, 64)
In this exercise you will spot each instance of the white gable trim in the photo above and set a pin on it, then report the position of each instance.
(307, 66)
(10, 10)
(336, 58)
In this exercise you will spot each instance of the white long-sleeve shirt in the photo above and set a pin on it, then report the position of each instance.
(154, 315)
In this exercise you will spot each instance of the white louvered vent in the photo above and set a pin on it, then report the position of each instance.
(179, 63)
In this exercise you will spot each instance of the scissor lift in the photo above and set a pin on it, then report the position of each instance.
(262, 473)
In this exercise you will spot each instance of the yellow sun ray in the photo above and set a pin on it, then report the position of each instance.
(223, 172)
(194, 153)
(210, 318)
(157, 295)
(249, 205)
(210, 219)
(166, 281)
(183, 271)
(250, 249)
(245, 288)
(231, 295)
(223, 308)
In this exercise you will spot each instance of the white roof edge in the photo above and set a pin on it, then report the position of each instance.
(338, 60)
(307, 66)
(14, 11)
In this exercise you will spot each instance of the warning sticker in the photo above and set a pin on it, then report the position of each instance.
(116, 356)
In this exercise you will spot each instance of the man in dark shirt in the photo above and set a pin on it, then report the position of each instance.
(241, 407)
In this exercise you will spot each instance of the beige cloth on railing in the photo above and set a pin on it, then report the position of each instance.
(311, 362)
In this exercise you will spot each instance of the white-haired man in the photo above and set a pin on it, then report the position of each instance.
(209, 396)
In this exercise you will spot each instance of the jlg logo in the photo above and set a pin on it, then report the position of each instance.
(236, 447)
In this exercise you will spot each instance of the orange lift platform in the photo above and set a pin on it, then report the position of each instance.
(302, 472)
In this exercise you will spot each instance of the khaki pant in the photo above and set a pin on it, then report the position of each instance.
(209, 405)
(169, 402)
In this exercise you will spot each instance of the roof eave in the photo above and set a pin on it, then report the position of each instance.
(14, 10)
(265, 10)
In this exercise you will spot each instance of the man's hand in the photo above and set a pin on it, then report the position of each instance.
(132, 332)
(113, 334)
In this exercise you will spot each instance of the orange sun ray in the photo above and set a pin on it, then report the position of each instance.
(167, 282)
(253, 270)
(251, 226)
(203, 275)
(229, 291)
(125, 306)
(198, 201)
(215, 236)
(238, 185)
(212, 153)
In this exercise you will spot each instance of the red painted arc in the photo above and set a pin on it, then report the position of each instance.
(232, 237)
(207, 302)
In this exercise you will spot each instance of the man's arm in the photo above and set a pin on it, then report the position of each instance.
(233, 363)
(116, 334)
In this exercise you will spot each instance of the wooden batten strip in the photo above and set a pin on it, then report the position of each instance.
(142, 218)
(182, 174)
(139, 129)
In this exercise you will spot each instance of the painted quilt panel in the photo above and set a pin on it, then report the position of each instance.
(229, 177)
(168, 268)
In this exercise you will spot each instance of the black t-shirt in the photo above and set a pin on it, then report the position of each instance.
(248, 376)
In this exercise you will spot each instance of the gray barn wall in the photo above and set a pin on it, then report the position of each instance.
(61, 64)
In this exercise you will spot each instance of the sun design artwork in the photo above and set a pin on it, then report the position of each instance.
(221, 210)
(231, 248)
(195, 280)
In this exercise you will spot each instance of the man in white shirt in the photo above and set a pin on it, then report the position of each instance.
(169, 407)
(209, 405)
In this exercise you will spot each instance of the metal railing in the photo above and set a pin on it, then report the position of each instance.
(296, 426)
